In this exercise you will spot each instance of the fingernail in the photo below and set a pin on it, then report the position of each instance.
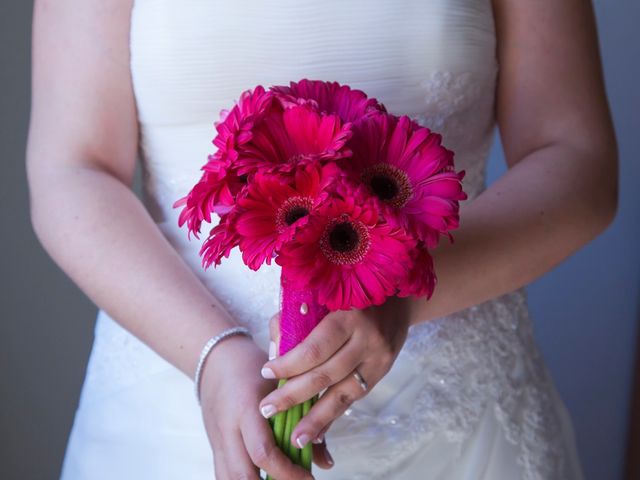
(302, 440)
(318, 439)
(328, 456)
(267, 373)
(272, 350)
(268, 410)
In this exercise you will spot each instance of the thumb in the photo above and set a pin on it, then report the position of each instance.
(274, 335)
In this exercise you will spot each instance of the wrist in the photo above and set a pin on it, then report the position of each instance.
(399, 308)
(214, 348)
(224, 353)
(416, 309)
(424, 309)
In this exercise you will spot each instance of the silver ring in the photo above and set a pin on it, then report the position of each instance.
(361, 381)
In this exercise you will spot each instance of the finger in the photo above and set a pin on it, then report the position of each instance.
(239, 464)
(333, 403)
(320, 437)
(321, 455)
(274, 333)
(265, 454)
(304, 386)
(321, 343)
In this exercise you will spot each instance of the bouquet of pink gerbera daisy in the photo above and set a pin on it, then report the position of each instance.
(344, 196)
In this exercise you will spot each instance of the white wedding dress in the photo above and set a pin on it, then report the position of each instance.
(469, 396)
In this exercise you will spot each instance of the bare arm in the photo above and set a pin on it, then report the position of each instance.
(81, 155)
(560, 190)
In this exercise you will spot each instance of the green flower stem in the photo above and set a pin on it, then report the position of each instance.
(283, 424)
(306, 455)
(279, 422)
(288, 428)
(295, 450)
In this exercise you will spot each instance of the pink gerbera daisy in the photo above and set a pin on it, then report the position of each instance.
(222, 239)
(276, 206)
(421, 280)
(235, 125)
(347, 255)
(220, 183)
(351, 105)
(216, 191)
(299, 134)
(410, 172)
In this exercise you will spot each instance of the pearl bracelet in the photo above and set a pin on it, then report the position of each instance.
(207, 349)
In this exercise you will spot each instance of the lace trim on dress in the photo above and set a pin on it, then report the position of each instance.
(481, 356)
(477, 357)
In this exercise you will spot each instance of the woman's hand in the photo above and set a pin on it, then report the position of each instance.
(242, 440)
(368, 340)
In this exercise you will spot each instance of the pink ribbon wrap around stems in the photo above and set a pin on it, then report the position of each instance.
(300, 312)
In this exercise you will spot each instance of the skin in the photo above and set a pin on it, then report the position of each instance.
(81, 156)
(559, 193)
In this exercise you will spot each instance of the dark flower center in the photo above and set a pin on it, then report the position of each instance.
(345, 241)
(343, 237)
(292, 210)
(389, 183)
(295, 214)
(384, 187)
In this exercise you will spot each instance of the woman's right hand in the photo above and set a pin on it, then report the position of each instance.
(242, 440)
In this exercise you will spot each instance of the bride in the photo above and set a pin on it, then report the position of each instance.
(457, 388)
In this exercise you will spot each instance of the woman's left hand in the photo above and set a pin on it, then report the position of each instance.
(368, 340)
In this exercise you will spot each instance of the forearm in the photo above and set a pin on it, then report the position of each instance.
(101, 235)
(540, 211)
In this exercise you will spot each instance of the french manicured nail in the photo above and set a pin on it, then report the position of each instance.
(302, 440)
(267, 373)
(272, 350)
(328, 456)
(268, 410)
(318, 439)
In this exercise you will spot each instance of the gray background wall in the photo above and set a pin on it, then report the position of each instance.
(585, 311)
